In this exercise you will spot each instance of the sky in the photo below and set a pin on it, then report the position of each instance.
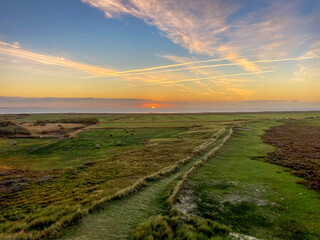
(160, 55)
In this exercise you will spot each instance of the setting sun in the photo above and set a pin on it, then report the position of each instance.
(155, 105)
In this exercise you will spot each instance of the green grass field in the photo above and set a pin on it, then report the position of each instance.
(251, 196)
(44, 154)
(50, 184)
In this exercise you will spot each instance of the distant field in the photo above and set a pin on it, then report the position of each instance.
(64, 170)
(167, 117)
(44, 154)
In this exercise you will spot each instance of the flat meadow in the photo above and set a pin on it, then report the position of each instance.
(57, 170)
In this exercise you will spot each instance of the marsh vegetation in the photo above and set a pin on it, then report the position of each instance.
(172, 168)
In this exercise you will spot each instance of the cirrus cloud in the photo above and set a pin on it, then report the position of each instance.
(16, 51)
(216, 27)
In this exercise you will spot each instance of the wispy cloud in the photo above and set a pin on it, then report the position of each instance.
(72, 102)
(191, 24)
(211, 28)
(10, 45)
(204, 78)
(190, 68)
(274, 31)
(198, 26)
(313, 50)
(179, 59)
(16, 51)
(146, 70)
(149, 77)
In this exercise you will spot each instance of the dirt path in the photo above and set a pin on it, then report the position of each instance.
(120, 218)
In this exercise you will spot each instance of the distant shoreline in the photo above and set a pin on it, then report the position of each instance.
(4, 111)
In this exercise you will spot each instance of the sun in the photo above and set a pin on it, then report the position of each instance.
(153, 105)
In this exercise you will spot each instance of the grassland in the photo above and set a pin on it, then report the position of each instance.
(47, 182)
(119, 219)
(237, 188)
(50, 183)
(42, 154)
(116, 118)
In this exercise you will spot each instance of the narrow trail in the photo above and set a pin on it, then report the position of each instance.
(121, 217)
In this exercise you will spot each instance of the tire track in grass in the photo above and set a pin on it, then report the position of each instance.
(119, 219)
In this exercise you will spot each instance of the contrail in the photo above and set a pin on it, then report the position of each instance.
(197, 79)
(123, 73)
(285, 59)
(118, 74)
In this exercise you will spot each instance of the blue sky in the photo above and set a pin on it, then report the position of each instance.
(79, 49)
(79, 31)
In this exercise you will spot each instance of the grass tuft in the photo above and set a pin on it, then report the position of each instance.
(180, 227)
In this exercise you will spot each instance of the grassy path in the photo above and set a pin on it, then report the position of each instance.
(120, 218)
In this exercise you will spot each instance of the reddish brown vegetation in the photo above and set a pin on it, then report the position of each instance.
(298, 148)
